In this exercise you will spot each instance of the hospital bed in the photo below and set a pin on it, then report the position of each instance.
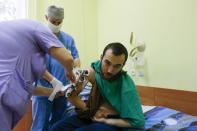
(160, 118)
(168, 109)
(164, 110)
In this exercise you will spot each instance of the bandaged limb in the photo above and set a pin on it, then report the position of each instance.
(80, 77)
(68, 89)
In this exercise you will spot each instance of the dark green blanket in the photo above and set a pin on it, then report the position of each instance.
(122, 95)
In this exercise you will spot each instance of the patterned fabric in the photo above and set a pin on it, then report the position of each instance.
(165, 119)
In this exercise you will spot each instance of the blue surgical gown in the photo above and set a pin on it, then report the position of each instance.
(45, 112)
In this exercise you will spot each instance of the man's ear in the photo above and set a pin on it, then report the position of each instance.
(101, 57)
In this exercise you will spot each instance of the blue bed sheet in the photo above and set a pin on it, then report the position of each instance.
(165, 119)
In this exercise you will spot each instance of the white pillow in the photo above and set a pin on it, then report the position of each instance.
(147, 108)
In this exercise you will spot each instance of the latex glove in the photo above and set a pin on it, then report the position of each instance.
(57, 85)
(55, 82)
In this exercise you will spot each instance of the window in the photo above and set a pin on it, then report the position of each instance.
(13, 9)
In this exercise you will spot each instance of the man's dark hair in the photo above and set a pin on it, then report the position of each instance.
(117, 49)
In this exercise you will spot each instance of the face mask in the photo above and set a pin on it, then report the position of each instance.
(54, 28)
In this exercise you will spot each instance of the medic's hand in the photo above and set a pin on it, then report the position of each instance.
(71, 76)
(56, 83)
(59, 93)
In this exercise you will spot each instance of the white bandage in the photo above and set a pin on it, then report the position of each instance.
(68, 90)
(80, 78)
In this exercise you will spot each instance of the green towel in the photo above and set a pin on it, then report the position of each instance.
(122, 95)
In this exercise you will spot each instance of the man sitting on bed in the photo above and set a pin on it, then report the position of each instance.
(113, 103)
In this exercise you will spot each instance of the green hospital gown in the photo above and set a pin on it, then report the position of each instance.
(122, 95)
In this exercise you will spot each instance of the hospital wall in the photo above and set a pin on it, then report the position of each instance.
(169, 30)
(167, 27)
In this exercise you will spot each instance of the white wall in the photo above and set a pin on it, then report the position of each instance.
(169, 29)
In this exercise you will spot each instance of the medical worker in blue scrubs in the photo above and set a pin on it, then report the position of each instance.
(45, 112)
